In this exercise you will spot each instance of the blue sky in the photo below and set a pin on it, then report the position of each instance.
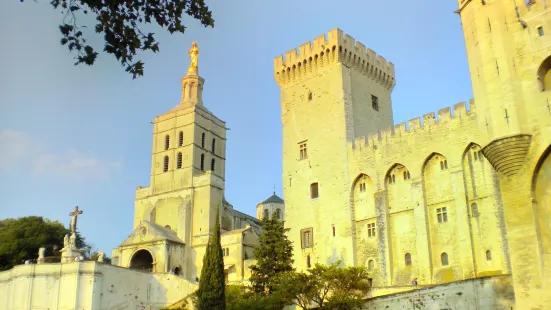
(81, 135)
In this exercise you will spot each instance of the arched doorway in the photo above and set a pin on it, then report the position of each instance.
(142, 260)
(542, 195)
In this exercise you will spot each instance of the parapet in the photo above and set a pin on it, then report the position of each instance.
(415, 126)
(335, 46)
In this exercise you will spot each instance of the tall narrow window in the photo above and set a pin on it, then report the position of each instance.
(167, 142)
(202, 162)
(212, 165)
(375, 103)
(266, 213)
(540, 31)
(306, 238)
(474, 210)
(371, 230)
(314, 190)
(371, 265)
(227, 251)
(203, 140)
(488, 255)
(444, 259)
(308, 263)
(408, 259)
(181, 138)
(278, 214)
(333, 228)
(362, 187)
(213, 145)
(165, 164)
(442, 215)
(303, 151)
(179, 161)
(310, 96)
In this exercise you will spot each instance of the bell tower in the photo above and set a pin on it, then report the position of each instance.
(187, 181)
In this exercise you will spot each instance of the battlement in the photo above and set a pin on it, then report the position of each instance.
(335, 46)
(416, 126)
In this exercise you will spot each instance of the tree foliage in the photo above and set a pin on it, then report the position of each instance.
(211, 292)
(21, 238)
(274, 256)
(119, 21)
(327, 287)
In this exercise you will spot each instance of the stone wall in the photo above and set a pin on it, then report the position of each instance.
(482, 293)
(88, 285)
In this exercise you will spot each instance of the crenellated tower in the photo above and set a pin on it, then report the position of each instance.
(509, 53)
(332, 90)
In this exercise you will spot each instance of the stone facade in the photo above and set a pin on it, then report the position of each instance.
(458, 194)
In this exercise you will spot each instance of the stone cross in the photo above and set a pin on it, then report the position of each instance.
(74, 216)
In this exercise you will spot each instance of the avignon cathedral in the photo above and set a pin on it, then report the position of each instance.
(458, 199)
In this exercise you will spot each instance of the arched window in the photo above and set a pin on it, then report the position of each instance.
(488, 255)
(308, 264)
(179, 161)
(203, 140)
(213, 145)
(165, 164)
(474, 210)
(181, 138)
(408, 259)
(167, 142)
(212, 165)
(444, 259)
(371, 265)
(314, 190)
(544, 75)
(202, 162)
(266, 213)
(278, 214)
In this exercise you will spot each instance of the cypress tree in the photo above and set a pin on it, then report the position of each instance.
(211, 292)
(274, 256)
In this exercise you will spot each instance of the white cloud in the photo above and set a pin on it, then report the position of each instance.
(18, 149)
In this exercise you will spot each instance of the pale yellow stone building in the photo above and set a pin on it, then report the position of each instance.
(174, 216)
(458, 194)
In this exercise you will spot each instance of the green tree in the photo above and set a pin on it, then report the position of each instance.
(120, 21)
(274, 256)
(94, 256)
(327, 287)
(21, 238)
(211, 292)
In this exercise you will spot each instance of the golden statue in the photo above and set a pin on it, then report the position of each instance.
(193, 58)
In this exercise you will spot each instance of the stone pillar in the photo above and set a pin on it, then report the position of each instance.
(383, 237)
(526, 261)
(463, 229)
(423, 261)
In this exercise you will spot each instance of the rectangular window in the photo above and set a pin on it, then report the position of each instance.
(540, 31)
(333, 228)
(362, 187)
(303, 151)
(314, 190)
(375, 103)
(306, 238)
(371, 230)
(442, 214)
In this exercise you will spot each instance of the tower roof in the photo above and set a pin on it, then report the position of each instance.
(273, 199)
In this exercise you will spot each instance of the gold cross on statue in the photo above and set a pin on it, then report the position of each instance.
(74, 215)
